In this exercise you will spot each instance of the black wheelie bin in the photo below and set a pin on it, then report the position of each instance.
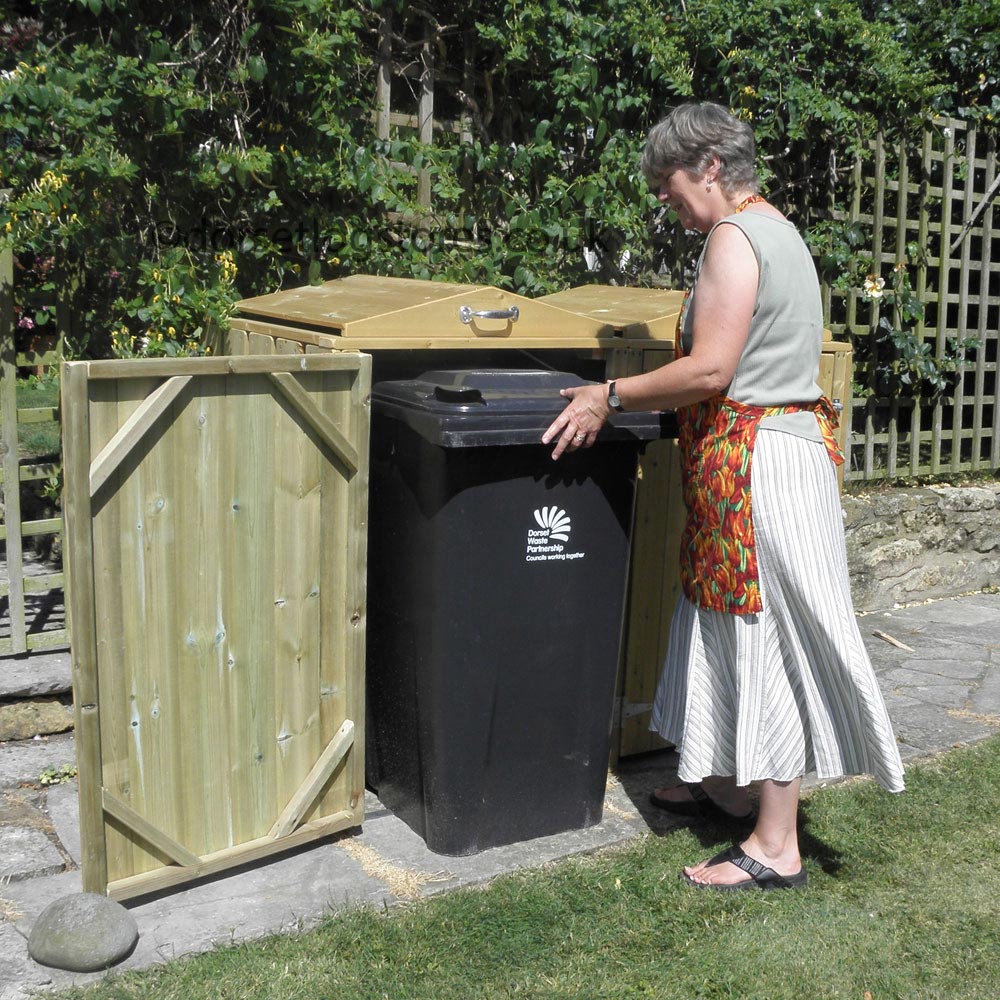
(496, 587)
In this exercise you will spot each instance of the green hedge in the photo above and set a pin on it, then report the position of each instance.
(166, 158)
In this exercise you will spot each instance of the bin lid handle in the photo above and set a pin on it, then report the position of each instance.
(458, 394)
(466, 314)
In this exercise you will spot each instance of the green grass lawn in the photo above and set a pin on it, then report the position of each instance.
(903, 904)
(38, 440)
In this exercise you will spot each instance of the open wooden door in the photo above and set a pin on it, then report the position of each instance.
(216, 543)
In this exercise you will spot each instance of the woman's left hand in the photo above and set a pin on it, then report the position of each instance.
(578, 425)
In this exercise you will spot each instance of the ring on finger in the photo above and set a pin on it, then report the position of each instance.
(579, 436)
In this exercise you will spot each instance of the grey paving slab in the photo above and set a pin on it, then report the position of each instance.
(26, 853)
(292, 893)
(23, 761)
(931, 729)
(35, 675)
(398, 844)
(20, 977)
(62, 804)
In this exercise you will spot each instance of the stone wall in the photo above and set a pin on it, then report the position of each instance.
(910, 544)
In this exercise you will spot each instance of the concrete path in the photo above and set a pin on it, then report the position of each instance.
(942, 692)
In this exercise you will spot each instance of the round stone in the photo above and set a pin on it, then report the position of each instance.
(83, 933)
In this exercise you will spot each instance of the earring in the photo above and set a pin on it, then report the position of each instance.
(708, 188)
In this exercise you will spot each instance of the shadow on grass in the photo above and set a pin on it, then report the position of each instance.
(641, 774)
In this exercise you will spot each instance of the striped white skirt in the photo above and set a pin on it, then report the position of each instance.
(790, 690)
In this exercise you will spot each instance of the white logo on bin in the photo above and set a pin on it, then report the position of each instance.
(555, 520)
(546, 542)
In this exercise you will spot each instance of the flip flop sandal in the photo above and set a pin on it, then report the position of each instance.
(703, 806)
(761, 877)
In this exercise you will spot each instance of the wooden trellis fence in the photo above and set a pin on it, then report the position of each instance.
(31, 603)
(412, 61)
(937, 192)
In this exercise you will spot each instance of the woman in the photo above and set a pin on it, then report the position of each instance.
(766, 675)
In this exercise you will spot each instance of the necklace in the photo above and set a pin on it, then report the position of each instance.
(753, 199)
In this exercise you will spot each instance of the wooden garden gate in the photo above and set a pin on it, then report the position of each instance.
(216, 543)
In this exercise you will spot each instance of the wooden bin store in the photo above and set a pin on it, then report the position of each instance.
(216, 540)
(607, 331)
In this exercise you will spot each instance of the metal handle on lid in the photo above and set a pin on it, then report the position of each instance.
(467, 315)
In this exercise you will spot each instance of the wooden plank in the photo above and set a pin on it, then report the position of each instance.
(327, 431)
(297, 486)
(82, 610)
(259, 343)
(249, 365)
(37, 414)
(248, 541)
(961, 329)
(654, 577)
(199, 805)
(410, 341)
(343, 528)
(135, 527)
(383, 80)
(135, 429)
(902, 193)
(11, 448)
(876, 351)
(633, 313)
(986, 270)
(129, 818)
(425, 109)
(944, 275)
(306, 794)
(47, 526)
(237, 340)
(264, 847)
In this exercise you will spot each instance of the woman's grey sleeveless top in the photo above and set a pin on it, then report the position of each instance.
(780, 363)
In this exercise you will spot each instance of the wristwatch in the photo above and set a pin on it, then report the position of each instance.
(613, 399)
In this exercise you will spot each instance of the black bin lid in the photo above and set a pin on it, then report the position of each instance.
(471, 408)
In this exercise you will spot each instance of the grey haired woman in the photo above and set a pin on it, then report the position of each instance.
(766, 675)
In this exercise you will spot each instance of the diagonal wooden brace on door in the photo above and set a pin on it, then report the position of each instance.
(316, 419)
(163, 842)
(134, 430)
(310, 789)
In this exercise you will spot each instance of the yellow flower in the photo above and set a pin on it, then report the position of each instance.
(749, 91)
(171, 330)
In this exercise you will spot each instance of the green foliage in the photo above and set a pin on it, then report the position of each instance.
(182, 305)
(901, 359)
(960, 43)
(909, 363)
(57, 775)
(144, 140)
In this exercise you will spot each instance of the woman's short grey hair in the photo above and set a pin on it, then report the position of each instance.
(691, 135)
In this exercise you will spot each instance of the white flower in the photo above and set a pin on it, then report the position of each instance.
(873, 286)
